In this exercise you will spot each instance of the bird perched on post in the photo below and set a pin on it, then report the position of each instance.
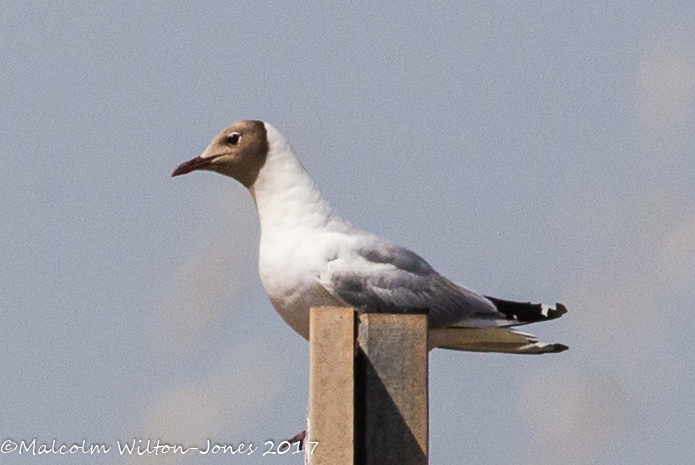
(309, 256)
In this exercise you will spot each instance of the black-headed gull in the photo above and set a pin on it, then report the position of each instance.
(309, 256)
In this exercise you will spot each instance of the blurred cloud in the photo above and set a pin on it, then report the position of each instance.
(665, 93)
(229, 392)
(215, 273)
(571, 416)
(665, 84)
(642, 232)
(247, 379)
(677, 262)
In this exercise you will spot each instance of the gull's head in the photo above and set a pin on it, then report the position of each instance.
(239, 151)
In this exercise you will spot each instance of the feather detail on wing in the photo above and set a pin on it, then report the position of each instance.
(377, 275)
(372, 274)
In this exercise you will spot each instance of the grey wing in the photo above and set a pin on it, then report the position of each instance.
(374, 274)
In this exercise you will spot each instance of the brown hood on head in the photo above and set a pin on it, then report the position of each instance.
(239, 151)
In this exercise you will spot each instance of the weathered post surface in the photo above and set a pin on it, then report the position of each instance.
(392, 390)
(331, 415)
(368, 389)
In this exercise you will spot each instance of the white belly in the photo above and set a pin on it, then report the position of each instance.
(294, 308)
(290, 277)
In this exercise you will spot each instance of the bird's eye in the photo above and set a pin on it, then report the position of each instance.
(233, 138)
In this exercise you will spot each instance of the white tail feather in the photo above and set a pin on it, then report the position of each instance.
(502, 340)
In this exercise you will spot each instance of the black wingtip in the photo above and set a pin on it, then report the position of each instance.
(560, 309)
(556, 312)
(559, 348)
(526, 312)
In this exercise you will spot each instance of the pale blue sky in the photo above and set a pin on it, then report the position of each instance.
(529, 150)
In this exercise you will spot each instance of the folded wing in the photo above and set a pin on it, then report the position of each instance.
(372, 274)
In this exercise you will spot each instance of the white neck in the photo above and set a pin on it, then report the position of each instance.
(286, 197)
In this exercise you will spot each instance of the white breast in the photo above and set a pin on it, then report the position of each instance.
(299, 235)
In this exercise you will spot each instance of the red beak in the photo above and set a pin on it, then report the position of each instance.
(191, 165)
